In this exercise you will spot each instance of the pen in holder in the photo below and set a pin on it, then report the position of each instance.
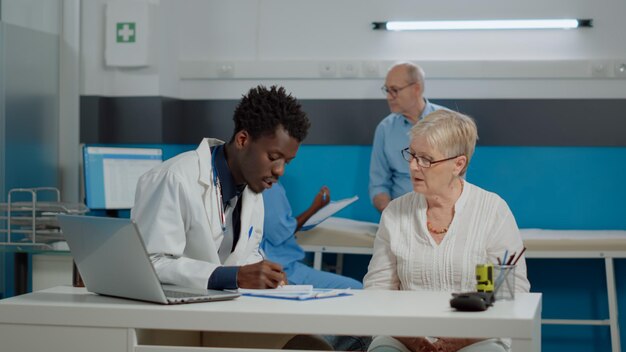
(505, 282)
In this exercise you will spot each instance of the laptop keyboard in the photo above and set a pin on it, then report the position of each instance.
(178, 294)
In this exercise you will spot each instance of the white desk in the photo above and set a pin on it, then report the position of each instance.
(71, 319)
(561, 244)
(336, 236)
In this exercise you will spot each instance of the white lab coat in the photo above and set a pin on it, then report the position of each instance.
(179, 220)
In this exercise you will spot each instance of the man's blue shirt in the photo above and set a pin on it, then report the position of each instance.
(389, 172)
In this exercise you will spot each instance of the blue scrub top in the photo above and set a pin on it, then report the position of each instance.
(279, 244)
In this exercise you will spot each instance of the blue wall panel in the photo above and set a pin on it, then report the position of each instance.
(556, 187)
(344, 169)
(546, 187)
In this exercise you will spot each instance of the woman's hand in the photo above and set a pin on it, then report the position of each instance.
(446, 344)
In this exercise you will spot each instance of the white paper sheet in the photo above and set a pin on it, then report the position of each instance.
(330, 209)
(296, 292)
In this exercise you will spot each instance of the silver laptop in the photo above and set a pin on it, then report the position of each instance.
(112, 260)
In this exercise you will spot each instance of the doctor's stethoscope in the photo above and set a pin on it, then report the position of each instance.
(218, 188)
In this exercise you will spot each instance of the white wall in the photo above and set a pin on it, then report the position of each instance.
(286, 41)
(41, 15)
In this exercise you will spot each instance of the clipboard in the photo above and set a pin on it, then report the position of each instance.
(296, 292)
(329, 210)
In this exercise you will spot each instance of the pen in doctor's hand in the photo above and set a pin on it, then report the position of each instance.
(262, 253)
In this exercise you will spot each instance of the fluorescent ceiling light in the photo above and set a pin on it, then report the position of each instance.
(480, 25)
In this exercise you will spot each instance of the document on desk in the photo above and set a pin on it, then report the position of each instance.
(329, 210)
(296, 292)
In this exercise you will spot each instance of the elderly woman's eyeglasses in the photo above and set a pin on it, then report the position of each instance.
(393, 90)
(422, 162)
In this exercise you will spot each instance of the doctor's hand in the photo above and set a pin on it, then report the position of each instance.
(261, 275)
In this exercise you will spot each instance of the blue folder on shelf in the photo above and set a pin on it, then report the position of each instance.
(296, 292)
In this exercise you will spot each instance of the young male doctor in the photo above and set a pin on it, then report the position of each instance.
(201, 212)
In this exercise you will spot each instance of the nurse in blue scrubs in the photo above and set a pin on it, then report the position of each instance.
(279, 244)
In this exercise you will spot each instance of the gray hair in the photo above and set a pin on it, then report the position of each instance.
(449, 132)
(414, 72)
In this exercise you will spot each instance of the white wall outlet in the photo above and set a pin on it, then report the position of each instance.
(349, 69)
(619, 68)
(327, 69)
(370, 69)
(600, 69)
(225, 69)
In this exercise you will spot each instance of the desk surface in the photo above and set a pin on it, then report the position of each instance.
(338, 236)
(365, 313)
(359, 236)
(339, 232)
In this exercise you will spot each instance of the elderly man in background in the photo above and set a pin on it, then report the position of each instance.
(389, 172)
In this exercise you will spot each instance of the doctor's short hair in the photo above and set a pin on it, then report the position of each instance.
(262, 110)
(449, 132)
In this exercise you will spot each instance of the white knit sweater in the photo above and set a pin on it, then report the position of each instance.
(406, 257)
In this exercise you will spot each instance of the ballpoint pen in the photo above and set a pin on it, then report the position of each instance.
(330, 293)
(519, 256)
(511, 258)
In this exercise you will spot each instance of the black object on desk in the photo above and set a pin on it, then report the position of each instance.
(472, 301)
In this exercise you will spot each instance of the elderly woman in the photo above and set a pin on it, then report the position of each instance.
(432, 238)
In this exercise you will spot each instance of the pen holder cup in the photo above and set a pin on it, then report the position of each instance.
(504, 287)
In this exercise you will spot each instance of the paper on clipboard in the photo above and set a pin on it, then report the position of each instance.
(296, 292)
(330, 209)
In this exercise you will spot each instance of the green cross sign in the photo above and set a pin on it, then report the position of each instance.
(125, 32)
